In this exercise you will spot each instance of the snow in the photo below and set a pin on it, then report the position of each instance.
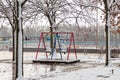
(91, 68)
(21, 1)
(98, 73)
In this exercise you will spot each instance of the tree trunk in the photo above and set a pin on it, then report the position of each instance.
(19, 44)
(51, 20)
(51, 37)
(107, 29)
(15, 23)
(16, 36)
(13, 57)
(108, 39)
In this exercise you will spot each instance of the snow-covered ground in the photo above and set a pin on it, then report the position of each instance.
(91, 67)
(98, 73)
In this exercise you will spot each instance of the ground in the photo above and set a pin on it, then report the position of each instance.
(91, 66)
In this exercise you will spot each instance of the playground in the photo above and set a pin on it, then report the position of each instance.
(65, 59)
(60, 40)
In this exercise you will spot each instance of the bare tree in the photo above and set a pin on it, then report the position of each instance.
(108, 12)
(109, 5)
(52, 10)
(9, 9)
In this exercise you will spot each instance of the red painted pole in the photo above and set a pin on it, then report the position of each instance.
(74, 45)
(69, 47)
(38, 46)
(45, 47)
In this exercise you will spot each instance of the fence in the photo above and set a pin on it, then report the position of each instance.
(33, 43)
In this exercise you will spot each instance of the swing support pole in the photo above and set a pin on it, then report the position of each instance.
(41, 39)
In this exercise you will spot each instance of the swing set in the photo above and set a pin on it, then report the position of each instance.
(62, 43)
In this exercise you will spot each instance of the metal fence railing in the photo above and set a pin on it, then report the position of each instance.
(4, 45)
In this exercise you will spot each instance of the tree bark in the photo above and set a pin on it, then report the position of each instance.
(13, 57)
(107, 30)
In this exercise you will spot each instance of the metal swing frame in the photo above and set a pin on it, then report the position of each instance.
(71, 41)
